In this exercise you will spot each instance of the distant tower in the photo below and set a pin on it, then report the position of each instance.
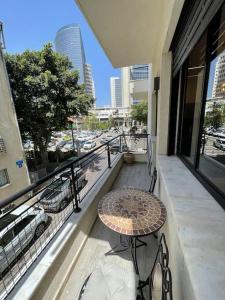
(219, 79)
(125, 87)
(68, 41)
(115, 88)
(90, 87)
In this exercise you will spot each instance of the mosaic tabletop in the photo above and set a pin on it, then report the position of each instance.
(132, 211)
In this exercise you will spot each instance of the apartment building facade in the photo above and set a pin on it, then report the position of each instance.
(13, 170)
(181, 40)
(135, 83)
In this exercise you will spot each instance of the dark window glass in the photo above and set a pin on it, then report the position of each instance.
(194, 80)
(212, 152)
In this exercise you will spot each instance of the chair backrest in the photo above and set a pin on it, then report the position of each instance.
(160, 279)
(153, 181)
(149, 155)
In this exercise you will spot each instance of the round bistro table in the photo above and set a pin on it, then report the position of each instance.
(132, 213)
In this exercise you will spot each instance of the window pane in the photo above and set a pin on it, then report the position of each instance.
(4, 179)
(194, 77)
(212, 156)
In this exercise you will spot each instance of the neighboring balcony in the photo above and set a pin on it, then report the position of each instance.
(139, 89)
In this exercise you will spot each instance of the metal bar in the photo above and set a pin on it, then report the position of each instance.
(120, 144)
(109, 158)
(75, 191)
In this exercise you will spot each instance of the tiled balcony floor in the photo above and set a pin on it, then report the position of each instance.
(102, 239)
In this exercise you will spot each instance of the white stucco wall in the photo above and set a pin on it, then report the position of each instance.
(9, 131)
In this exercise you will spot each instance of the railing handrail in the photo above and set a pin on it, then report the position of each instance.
(32, 186)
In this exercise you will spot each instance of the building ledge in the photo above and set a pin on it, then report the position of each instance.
(196, 232)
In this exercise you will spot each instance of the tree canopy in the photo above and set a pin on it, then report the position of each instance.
(140, 112)
(45, 92)
(215, 117)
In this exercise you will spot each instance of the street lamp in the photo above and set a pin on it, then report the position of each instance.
(71, 121)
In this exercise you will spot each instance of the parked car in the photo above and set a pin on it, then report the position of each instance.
(59, 193)
(60, 145)
(17, 230)
(69, 146)
(103, 140)
(220, 144)
(51, 146)
(116, 148)
(219, 133)
(29, 145)
(106, 139)
(89, 145)
(82, 138)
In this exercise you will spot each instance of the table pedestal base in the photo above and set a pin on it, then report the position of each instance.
(130, 244)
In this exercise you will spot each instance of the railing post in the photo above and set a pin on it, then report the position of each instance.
(121, 144)
(75, 192)
(109, 158)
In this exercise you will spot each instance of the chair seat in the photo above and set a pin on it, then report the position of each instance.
(110, 282)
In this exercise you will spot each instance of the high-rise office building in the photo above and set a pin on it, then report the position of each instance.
(115, 88)
(125, 87)
(68, 41)
(219, 79)
(139, 72)
(90, 87)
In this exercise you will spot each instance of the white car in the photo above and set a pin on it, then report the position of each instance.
(220, 144)
(58, 194)
(51, 146)
(219, 133)
(29, 145)
(82, 138)
(17, 229)
(89, 145)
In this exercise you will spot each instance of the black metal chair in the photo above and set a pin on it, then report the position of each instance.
(160, 278)
(153, 181)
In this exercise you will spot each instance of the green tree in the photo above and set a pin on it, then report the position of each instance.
(140, 112)
(215, 116)
(45, 91)
(91, 122)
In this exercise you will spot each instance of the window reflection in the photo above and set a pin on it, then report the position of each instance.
(192, 100)
(212, 152)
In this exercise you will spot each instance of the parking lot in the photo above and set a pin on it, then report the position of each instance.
(213, 151)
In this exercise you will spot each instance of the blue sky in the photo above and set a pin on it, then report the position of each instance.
(30, 24)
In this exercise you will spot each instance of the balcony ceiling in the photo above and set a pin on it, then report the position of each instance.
(130, 31)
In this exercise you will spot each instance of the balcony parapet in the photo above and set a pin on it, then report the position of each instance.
(195, 232)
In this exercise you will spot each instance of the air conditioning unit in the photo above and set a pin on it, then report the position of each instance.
(2, 146)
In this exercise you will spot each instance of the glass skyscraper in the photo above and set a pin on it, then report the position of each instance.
(68, 41)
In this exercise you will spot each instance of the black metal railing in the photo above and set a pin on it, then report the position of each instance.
(30, 218)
